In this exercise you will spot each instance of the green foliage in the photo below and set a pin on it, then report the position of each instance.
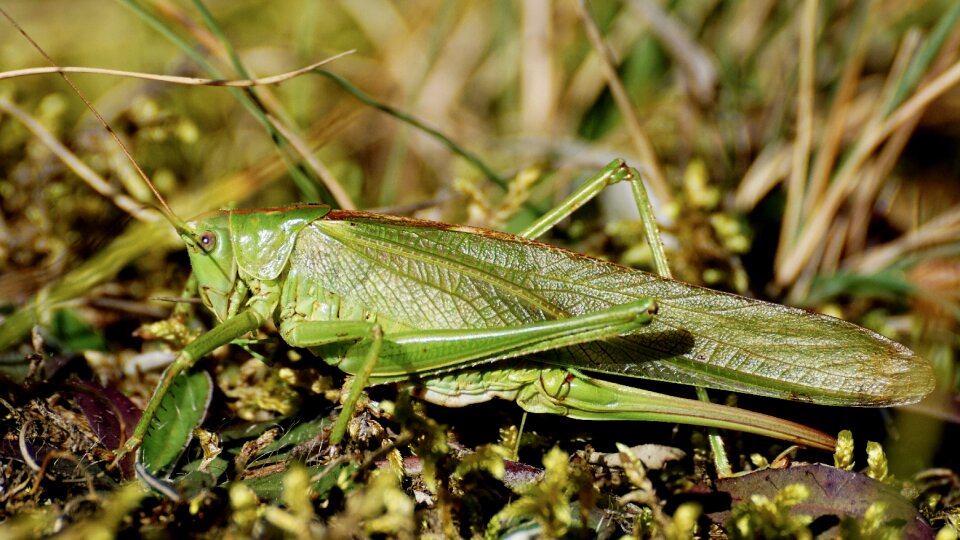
(489, 458)
(843, 456)
(875, 523)
(876, 461)
(182, 409)
(763, 517)
(379, 507)
(323, 478)
(683, 523)
(547, 501)
(75, 334)
(102, 525)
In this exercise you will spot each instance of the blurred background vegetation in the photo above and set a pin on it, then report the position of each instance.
(804, 152)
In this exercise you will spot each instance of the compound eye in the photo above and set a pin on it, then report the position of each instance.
(208, 240)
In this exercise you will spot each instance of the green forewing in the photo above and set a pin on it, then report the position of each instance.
(427, 275)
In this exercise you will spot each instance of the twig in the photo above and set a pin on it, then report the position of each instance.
(176, 221)
(298, 144)
(172, 79)
(797, 181)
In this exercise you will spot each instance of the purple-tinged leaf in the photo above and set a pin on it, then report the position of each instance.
(111, 415)
(833, 492)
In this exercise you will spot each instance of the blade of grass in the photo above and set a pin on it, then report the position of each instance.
(768, 170)
(866, 191)
(414, 80)
(88, 175)
(339, 194)
(797, 181)
(941, 230)
(865, 194)
(276, 116)
(454, 147)
(173, 218)
(538, 87)
(307, 187)
(832, 135)
(694, 60)
(648, 156)
(930, 50)
(846, 177)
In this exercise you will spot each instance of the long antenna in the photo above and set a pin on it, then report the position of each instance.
(177, 223)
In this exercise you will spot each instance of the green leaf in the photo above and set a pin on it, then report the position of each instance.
(216, 468)
(183, 408)
(298, 434)
(280, 449)
(74, 333)
(194, 483)
(888, 285)
(271, 486)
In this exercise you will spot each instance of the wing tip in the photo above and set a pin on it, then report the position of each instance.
(909, 377)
